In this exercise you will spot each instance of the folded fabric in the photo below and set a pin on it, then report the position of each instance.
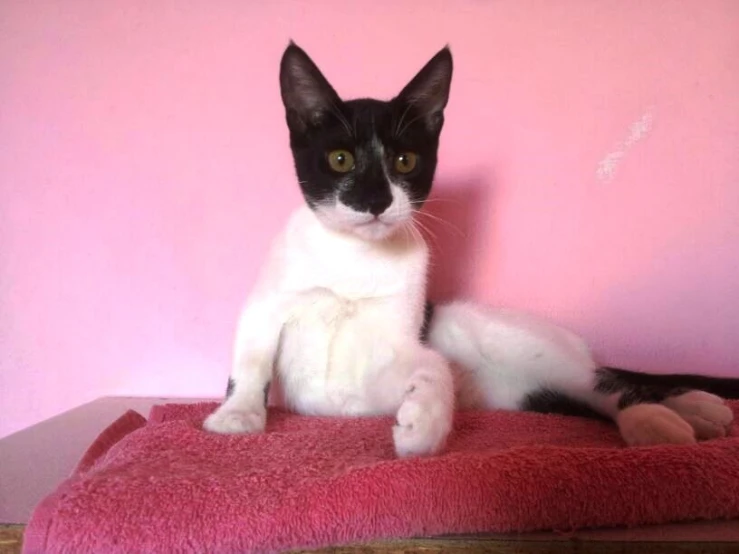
(167, 486)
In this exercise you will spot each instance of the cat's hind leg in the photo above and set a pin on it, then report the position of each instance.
(705, 412)
(519, 362)
(640, 394)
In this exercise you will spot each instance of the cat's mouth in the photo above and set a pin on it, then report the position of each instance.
(376, 220)
(377, 225)
(376, 229)
(361, 224)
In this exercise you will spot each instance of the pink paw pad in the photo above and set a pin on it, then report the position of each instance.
(706, 413)
(651, 424)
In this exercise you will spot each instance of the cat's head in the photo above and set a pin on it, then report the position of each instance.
(364, 166)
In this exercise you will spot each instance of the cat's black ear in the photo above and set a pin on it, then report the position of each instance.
(306, 93)
(428, 91)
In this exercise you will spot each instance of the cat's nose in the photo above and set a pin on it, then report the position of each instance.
(379, 204)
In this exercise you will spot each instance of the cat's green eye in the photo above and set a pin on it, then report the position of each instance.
(341, 161)
(405, 162)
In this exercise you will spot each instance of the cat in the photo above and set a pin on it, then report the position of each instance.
(339, 315)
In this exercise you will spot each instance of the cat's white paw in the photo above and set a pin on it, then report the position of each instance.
(423, 422)
(650, 424)
(229, 421)
(706, 413)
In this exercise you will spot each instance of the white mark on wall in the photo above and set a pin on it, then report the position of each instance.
(638, 130)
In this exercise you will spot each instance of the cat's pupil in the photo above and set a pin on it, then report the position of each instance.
(341, 159)
(403, 159)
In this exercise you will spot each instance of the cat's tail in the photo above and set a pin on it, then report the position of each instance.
(510, 360)
(725, 387)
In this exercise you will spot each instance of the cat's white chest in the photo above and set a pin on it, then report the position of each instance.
(351, 268)
(352, 304)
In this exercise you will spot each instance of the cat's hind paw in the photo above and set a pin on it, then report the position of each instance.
(706, 413)
(650, 424)
(230, 421)
(423, 422)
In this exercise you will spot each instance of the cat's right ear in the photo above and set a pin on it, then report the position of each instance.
(306, 94)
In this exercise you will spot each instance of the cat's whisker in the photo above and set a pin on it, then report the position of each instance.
(405, 228)
(419, 234)
(424, 228)
(448, 224)
(411, 232)
(425, 231)
(411, 228)
(435, 200)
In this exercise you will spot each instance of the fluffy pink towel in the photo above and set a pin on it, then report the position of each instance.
(167, 486)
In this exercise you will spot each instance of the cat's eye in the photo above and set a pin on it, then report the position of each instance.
(341, 161)
(405, 162)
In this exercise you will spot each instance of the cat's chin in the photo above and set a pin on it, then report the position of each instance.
(375, 231)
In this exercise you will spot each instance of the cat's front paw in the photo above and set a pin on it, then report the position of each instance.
(706, 413)
(229, 421)
(423, 423)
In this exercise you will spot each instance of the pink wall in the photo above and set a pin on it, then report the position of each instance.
(590, 158)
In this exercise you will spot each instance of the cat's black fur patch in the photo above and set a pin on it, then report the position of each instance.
(320, 122)
(639, 388)
(634, 387)
(266, 393)
(546, 401)
(428, 314)
(232, 384)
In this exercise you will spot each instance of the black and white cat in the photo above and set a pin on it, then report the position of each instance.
(339, 315)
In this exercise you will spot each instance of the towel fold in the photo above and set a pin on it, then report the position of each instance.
(164, 485)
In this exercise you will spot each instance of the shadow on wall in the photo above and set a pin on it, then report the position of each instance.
(455, 219)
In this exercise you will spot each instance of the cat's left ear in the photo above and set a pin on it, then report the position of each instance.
(428, 91)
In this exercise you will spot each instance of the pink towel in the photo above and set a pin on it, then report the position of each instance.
(167, 486)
